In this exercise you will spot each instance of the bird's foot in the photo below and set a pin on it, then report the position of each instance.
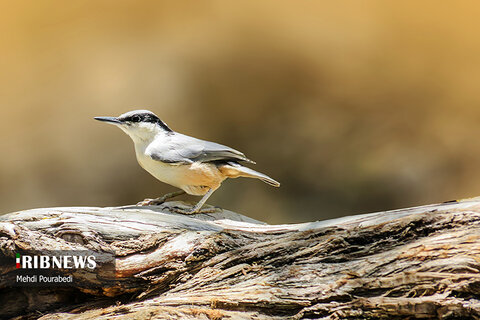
(160, 200)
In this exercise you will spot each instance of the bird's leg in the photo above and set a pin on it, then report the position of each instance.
(197, 208)
(160, 200)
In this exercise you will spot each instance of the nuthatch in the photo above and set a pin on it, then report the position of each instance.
(198, 167)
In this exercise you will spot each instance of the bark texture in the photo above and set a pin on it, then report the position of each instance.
(419, 262)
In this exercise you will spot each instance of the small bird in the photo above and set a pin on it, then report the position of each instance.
(197, 167)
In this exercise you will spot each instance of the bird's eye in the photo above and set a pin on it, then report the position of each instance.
(135, 119)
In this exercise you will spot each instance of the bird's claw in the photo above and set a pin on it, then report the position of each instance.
(160, 200)
(150, 202)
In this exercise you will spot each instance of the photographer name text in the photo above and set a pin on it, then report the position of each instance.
(44, 279)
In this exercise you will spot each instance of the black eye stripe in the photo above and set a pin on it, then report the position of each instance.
(141, 118)
(146, 117)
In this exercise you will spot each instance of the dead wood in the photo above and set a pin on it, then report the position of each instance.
(419, 262)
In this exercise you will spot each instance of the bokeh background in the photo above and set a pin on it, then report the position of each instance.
(355, 106)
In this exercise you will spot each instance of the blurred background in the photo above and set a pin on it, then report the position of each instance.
(354, 106)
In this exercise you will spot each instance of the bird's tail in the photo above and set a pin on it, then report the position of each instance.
(234, 170)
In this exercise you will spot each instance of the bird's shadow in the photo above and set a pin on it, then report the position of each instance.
(207, 213)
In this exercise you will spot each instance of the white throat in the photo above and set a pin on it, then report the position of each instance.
(143, 133)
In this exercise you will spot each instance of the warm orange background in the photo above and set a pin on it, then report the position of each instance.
(354, 106)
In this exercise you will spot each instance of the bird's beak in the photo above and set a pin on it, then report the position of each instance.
(112, 120)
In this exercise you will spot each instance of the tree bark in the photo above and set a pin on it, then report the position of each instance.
(421, 262)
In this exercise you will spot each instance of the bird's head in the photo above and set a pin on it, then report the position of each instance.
(140, 125)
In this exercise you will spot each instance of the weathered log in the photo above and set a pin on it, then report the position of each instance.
(421, 262)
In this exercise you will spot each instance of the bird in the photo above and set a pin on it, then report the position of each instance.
(197, 167)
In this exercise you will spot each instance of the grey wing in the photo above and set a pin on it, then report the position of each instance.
(184, 149)
(211, 151)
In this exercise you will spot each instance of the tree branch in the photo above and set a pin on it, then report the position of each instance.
(419, 262)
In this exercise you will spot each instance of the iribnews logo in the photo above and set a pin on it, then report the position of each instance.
(55, 262)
